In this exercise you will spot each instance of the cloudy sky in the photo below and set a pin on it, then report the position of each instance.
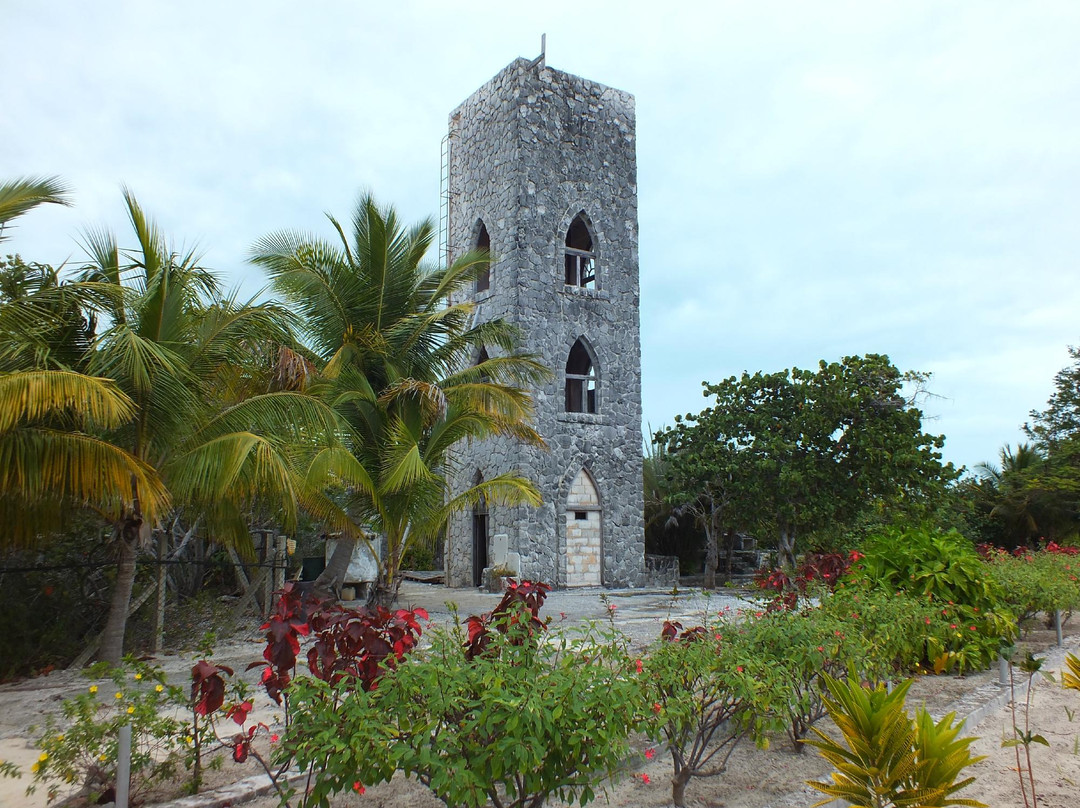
(816, 179)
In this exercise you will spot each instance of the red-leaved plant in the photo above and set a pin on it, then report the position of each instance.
(358, 643)
(824, 568)
(518, 613)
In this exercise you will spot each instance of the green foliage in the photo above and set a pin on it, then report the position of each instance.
(393, 350)
(892, 627)
(800, 647)
(709, 691)
(923, 562)
(945, 569)
(81, 751)
(1070, 677)
(794, 451)
(1037, 582)
(887, 759)
(524, 720)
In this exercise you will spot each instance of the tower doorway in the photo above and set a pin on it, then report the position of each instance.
(584, 559)
(479, 540)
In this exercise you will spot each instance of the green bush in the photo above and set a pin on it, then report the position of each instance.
(799, 647)
(891, 627)
(708, 691)
(524, 717)
(922, 562)
(1037, 582)
(81, 751)
(972, 618)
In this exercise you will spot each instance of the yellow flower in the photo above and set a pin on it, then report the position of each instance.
(119, 695)
(102, 758)
(131, 709)
(189, 739)
(59, 737)
(159, 688)
(93, 688)
(44, 757)
(35, 768)
(138, 676)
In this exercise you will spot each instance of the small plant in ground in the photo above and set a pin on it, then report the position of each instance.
(351, 651)
(708, 692)
(499, 709)
(80, 752)
(1070, 677)
(800, 647)
(888, 760)
(1029, 665)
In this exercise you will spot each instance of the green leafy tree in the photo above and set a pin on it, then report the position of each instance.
(796, 450)
(395, 348)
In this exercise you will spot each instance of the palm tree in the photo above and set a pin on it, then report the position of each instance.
(52, 455)
(396, 347)
(1012, 495)
(185, 354)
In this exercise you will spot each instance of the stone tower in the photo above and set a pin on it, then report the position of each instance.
(542, 171)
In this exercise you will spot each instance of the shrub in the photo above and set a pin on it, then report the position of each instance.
(889, 760)
(497, 709)
(892, 626)
(81, 751)
(816, 572)
(708, 691)
(801, 646)
(973, 619)
(1034, 582)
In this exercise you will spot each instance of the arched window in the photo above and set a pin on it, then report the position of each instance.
(481, 358)
(580, 256)
(483, 244)
(580, 380)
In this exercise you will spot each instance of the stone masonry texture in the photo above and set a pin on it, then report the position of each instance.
(529, 151)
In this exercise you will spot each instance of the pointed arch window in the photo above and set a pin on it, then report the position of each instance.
(481, 358)
(483, 244)
(580, 380)
(580, 255)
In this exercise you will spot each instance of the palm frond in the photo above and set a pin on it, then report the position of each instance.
(29, 396)
(20, 196)
(64, 466)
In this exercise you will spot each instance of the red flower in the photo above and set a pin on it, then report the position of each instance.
(952, 625)
(275, 738)
(928, 621)
(638, 666)
(645, 778)
(973, 628)
(650, 754)
(821, 647)
(739, 668)
(656, 708)
(358, 787)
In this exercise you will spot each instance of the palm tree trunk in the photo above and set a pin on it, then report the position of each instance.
(329, 582)
(127, 532)
(112, 638)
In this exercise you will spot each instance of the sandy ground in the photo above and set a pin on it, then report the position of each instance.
(755, 778)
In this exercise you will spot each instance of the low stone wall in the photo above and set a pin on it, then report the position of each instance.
(661, 571)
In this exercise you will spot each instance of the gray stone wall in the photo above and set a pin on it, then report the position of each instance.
(529, 150)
